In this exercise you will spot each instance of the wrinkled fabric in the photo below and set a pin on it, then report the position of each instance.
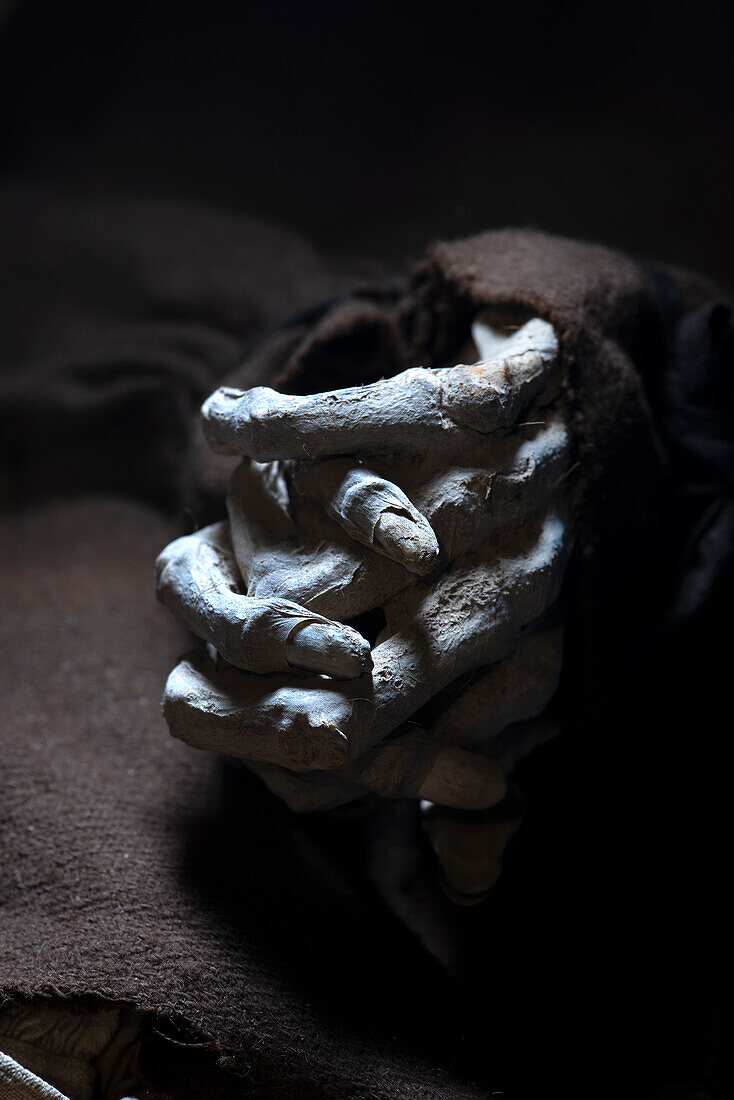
(117, 320)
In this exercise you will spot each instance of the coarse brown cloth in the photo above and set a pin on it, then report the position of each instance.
(138, 871)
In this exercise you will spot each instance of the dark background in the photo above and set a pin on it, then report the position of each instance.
(375, 127)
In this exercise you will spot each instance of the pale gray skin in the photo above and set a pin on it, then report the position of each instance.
(415, 412)
(473, 501)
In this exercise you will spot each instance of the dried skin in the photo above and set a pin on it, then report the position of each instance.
(470, 617)
(218, 710)
(372, 510)
(514, 690)
(416, 411)
(196, 579)
(309, 560)
(493, 721)
(463, 463)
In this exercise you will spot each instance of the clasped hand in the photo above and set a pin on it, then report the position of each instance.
(434, 501)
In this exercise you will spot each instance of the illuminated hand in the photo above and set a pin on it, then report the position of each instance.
(436, 496)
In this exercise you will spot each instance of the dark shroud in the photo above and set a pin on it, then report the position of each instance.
(136, 870)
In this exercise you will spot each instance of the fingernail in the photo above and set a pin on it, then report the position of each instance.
(463, 780)
(412, 544)
(469, 855)
(329, 648)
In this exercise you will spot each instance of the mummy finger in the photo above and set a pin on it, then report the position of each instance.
(317, 645)
(470, 617)
(225, 710)
(197, 581)
(413, 412)
(314, 563)
(470, 847)
(497, 484)
(514, 690)
(371, 509)
(410, 765)
(414, 765)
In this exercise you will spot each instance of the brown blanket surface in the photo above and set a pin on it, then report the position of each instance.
(136, 870)
(143, 872)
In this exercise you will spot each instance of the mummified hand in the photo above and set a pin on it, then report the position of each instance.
(449, 516)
